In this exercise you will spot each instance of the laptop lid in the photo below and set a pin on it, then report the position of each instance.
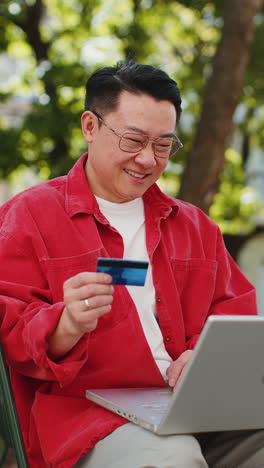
(222, 387)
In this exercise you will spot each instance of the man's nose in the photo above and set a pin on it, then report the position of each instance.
(146, 156)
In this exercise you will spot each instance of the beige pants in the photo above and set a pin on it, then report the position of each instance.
(130, 446)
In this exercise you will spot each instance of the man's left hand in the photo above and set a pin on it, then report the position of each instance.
(175, 369)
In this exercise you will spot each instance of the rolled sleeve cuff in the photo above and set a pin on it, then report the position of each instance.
(35, 337)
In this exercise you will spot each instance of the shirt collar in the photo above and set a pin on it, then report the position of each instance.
(80, 199)
(163, 204)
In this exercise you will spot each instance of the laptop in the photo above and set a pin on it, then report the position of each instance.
(221, 388)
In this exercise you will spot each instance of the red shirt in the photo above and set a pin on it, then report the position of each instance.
(55, 230)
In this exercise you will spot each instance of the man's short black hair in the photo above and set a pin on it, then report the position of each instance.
(105, 85)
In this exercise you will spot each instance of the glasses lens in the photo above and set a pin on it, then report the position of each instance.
(167, 147)
(131, 142)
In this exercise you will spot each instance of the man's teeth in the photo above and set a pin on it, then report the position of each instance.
(135, 174)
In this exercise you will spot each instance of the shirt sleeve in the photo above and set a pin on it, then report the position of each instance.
(233, 293)
(28, 315)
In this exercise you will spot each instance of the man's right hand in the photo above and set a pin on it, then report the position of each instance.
(76, 318)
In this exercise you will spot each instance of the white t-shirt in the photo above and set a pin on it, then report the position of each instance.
(129, 220)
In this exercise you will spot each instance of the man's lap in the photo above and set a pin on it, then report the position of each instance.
(130, 446)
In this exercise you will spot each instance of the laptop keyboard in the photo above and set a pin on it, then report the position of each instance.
(157, 407)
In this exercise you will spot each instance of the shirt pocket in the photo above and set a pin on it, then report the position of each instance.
(195, 280)
(58, 270)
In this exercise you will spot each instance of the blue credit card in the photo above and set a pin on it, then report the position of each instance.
(130, 272)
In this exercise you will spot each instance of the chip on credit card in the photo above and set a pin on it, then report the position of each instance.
(129, 272)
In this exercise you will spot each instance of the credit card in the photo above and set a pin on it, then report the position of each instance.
(130, 272)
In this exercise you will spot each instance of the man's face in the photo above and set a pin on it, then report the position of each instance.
(113, 174)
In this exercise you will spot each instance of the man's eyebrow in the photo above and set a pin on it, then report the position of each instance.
(142, 132)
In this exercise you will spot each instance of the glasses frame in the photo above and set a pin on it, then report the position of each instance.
(175, 139)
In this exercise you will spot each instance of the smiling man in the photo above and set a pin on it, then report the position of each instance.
(136, 153)
(65, 328)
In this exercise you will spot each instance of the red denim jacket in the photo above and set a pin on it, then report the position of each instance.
(55, 230)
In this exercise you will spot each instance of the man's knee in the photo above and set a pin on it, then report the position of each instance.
(132, 447)
(188, 454)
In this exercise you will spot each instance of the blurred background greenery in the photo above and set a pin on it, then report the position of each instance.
(213, 49)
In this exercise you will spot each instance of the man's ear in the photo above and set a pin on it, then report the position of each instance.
(89, 125)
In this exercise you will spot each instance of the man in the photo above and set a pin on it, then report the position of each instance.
(65, 328)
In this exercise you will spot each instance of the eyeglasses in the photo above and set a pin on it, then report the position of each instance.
(163, 147)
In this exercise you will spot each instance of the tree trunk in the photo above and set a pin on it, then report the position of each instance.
(205, 162)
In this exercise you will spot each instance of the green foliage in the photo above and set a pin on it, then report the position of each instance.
(54, 45)
(9, 156)
(235, 204)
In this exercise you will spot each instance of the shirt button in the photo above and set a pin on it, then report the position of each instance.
(101, 218)
(167, 338)
(158, 299)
